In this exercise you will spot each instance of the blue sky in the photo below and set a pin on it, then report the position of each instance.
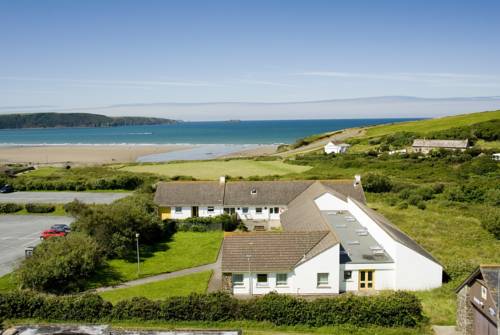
(96, 53)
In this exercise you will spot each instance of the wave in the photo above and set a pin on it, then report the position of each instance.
(139, 133)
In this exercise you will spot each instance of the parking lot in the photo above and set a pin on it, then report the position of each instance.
(62, 197)
(19, 231)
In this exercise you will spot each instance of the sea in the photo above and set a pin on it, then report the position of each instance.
(211, 139)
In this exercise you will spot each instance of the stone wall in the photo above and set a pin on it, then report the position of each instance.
(465, 316)
(227, 282)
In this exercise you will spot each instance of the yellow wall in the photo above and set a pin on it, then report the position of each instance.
(165, 213)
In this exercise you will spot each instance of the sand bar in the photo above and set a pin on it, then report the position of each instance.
(82, 154)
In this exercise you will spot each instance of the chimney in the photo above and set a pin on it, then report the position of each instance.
(357, 180)
(222, 179)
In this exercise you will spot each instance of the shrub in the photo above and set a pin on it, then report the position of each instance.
(376, 183)
(76, 208)
(225, 221)
(10, 208)
(40, 208)
(403, 205)
(387, 309)
(60, 264)
(421, 205)
(414, 199)
(490, 220)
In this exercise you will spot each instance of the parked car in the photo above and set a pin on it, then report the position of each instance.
(6, 189)
(46, 234)
(61, 227)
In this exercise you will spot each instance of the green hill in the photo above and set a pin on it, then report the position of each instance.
(55, 120)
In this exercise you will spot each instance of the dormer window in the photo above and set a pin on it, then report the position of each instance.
(253, 191)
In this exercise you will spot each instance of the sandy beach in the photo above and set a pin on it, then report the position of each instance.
(82, 154)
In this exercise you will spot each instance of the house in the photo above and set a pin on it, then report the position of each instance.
(330, 241)
(425, 146)
(336, 148)
(496, 156)
(478, 302)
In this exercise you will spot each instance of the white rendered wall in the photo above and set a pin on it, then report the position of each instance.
(384, 276)
(253, 215)
(328, 202)
(416, 272)
(203, 211)
(184, 214)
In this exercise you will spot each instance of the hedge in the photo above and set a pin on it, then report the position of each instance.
(10, 208)
(389, 309)
(39, 208)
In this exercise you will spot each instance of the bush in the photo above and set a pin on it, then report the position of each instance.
(491, 221)
(225, 221)
(114, 226)
(60, 264)
(76, 208)
(10, 208)
(377, 183)
(40, 208)
(403, 205)
(388, 309)
(421, 205)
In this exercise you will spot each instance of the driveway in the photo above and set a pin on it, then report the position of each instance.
(19, 231)
(62, 197)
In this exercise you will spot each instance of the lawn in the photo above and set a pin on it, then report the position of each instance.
(180, 286)
(454, 236)
(425, 126)
(7, 283)
(211, 170)
(184, 250)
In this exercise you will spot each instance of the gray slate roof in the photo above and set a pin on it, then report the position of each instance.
(238, 193)
(452, 144)
(395, 232)
(272, 252)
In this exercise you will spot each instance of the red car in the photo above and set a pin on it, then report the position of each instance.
(51, 233)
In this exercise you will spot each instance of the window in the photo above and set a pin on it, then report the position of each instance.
(322, 279)
(253, 191)
(262, 279)
(281, 279)
(258, 210)
(237, 279)
(274, 210)
(347, 275)
(210, 209)
(178, 209)
(484, 293)
(245, 210)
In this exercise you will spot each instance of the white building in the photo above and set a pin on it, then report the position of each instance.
(336, 148)
(496, 157)
(425, 146)
(331, 242)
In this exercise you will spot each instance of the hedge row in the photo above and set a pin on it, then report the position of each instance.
(111, 183)
(30, 208)
(387, 309)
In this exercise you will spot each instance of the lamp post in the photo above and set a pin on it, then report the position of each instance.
(138, 257)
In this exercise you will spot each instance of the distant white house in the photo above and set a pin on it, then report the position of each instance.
(496, 156)
(425, 146)
(336, 148)
(397, 152)
(330, 241)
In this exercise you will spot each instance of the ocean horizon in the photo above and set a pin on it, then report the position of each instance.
(187, 133)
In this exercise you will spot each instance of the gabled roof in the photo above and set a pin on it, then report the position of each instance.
(239, 193)
(458, 144)
(394, 232)
(189, 193)
(266, 192)
(490, 274)
(272, 252)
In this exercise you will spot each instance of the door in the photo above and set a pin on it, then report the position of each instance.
(194, 211)
(230, 210)
(165, 213)
(482, 325)
(366, 279)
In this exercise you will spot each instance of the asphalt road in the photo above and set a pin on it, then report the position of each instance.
(62, 197)
(19, 231)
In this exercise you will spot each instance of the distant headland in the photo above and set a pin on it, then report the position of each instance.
(69, 120)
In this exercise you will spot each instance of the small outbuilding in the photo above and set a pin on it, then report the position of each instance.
(336, 148)
(496, 156)
(478, 302)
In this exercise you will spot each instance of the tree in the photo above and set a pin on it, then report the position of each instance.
(60, 264)
(376, 183)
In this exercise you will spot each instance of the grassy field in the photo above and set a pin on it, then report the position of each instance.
(180, 286)
(453, 235)
(437, 124)
(184, 250)
(210, 170)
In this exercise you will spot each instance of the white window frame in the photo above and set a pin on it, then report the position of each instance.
(238, 283)
(281, 283)
(320, 282)
(244, 210)
(210, 209)
(258, 210)
(178, 209)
